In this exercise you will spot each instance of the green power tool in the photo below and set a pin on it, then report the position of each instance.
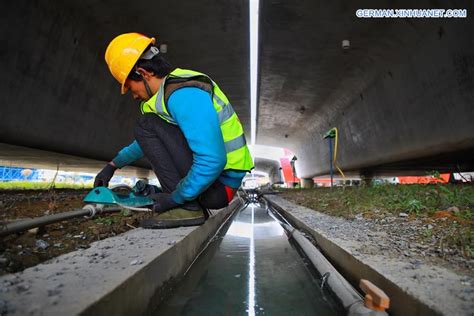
(138, 196)
(138, 199)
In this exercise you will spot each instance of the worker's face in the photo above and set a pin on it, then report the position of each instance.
(137, 89)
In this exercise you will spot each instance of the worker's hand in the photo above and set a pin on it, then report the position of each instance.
(163, 202)
(103, 177)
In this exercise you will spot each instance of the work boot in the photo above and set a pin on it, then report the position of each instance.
(191, 206)
(177, 217)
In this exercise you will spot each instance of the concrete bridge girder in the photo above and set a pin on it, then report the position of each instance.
(271, 167)
(59, 95)
(401, 95)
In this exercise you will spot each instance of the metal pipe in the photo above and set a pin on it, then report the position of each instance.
(22, 225)
(331, 168)
(338, 284)
(349, 297)
(344, 290)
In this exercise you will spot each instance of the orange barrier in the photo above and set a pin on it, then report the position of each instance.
(444, 178)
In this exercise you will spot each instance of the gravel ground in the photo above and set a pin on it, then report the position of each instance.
(22, 250)
(441, 238)
(438, 276)
(120, 274)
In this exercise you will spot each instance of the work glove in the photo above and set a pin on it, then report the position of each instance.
(142, 188)
(163, 202)
(103, 177)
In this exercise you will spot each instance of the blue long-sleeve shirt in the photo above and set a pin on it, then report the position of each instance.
(193, 111)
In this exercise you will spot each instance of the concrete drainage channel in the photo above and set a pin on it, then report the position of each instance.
(402, 302)
(254, 268)
(133, 273)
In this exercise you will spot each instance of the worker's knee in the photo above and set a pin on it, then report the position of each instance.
(146, 125)
(147, 121)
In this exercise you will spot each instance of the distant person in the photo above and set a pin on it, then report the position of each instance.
(189, 131)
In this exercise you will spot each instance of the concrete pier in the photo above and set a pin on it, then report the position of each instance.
(307, 183)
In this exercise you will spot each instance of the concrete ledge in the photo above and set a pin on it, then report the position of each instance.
(116, 276)
(430, 290)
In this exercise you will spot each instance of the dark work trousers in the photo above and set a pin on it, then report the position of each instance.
(168, 152)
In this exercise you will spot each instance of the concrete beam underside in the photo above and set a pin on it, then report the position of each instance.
(271, 167)
(419, 108)
(402, 92)
(18, 156)
(59, 95)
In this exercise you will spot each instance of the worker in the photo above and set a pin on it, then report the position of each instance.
(189, 132)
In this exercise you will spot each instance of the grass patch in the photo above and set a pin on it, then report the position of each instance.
(448, 208)
(412, 199)
(107, 220)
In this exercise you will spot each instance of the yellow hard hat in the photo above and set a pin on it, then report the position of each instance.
(123, 52)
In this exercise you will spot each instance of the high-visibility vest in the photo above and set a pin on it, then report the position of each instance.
(238, 154)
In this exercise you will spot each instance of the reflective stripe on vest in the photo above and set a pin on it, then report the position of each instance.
(238, 155)
(226, 113)
(235, 144)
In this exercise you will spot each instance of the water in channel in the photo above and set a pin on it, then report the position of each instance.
(250, 269)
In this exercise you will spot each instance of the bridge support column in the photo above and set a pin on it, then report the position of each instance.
(307, 183)
(366, 176)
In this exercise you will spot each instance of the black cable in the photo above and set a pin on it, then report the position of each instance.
(147, 87)
(459, 172)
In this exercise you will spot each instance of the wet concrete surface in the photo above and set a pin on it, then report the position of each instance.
(250, 269)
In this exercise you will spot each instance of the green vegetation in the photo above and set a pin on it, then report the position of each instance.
(447, 208)
(412, 199)
(107, 220)
(113, 218)
(27, 185)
